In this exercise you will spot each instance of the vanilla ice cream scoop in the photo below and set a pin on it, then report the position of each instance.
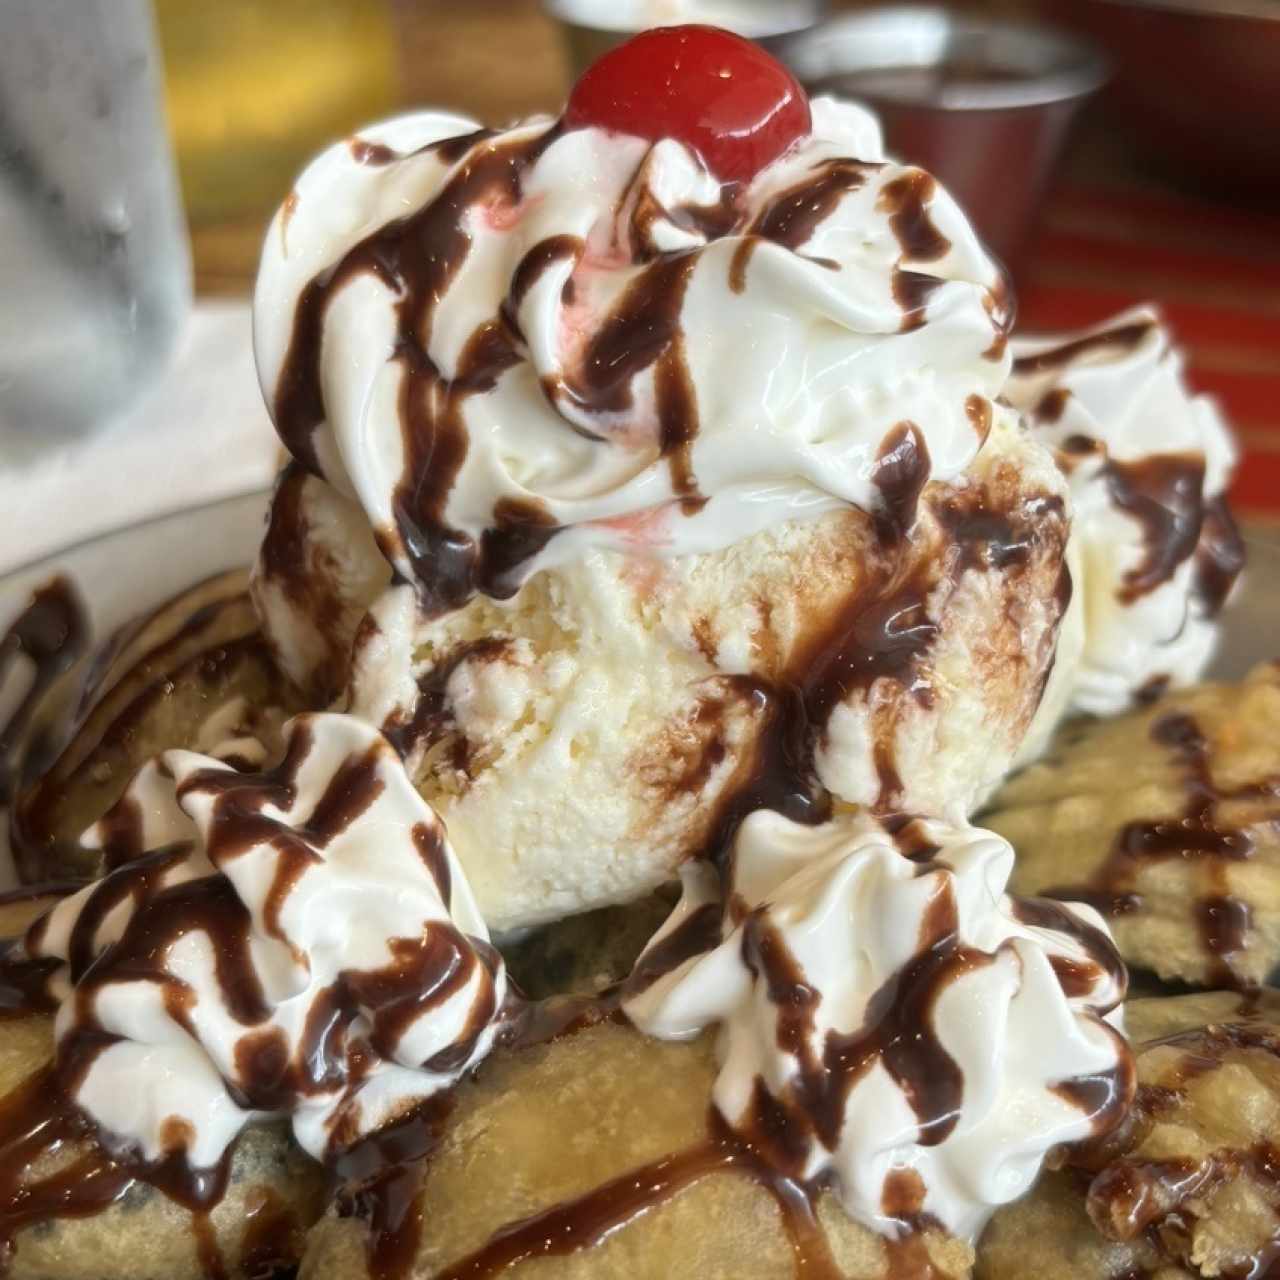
(1149, 465)
(618, 716)
(889, 1019)
(301, 941)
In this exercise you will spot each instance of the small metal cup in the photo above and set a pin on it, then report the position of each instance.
(985, 105)
(592, 27)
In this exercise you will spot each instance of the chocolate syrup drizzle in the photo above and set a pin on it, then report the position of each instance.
(381, 1182)
(1164, 493)
(585, 1221)
(40, 1127)
(906, 200)
(427, 970)
(432, 717)
(883, 635)
(1220, 556)
(898, 1034)
(417, 257)
(1198, 837)
(374, 154)
(792, 216)
(52, 632)
(284, 559)
(642, 331)
(38, 1122)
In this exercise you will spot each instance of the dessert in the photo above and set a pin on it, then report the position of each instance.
(1166, 820)
(594, 1157)
(656, 510)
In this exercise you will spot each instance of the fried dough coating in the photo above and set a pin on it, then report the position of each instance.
(547, 1125)
(584, 954)
(17, 912)
(1168, 821)
(273, 1194)
(1190, 1185)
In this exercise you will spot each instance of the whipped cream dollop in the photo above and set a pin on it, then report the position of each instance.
(511, 348)
(1148, 464)
(299, 941)
(891, 1019)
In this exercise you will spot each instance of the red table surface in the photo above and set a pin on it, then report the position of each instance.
(1214, 272)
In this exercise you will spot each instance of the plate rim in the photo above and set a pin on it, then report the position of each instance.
(53, 557)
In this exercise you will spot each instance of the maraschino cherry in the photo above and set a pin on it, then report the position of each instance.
(719, 94)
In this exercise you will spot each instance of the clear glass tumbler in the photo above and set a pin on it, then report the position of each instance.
(95, 268)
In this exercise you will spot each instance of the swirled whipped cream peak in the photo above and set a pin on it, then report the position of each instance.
(1149, 464)
(298, 941)
(509, 349)
(889, 1018)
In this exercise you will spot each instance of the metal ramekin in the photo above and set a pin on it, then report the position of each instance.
(994, 145)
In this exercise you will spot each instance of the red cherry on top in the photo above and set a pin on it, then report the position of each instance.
(719, 94)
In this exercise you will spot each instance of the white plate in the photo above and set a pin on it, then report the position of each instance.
(122, 573)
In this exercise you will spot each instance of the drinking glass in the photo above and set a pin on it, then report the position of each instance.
(95, 275)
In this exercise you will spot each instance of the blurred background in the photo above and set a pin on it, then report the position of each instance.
(1111, 151)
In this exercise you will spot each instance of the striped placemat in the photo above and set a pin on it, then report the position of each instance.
(1215, 272)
